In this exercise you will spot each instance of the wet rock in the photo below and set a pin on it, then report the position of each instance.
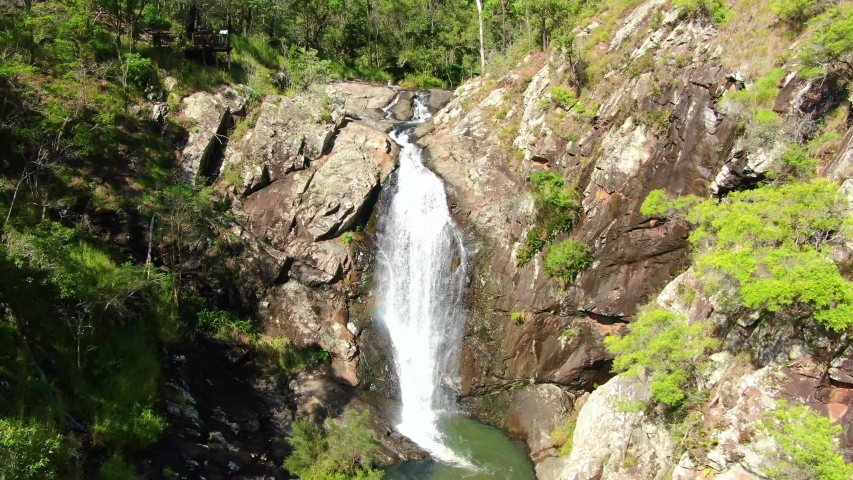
(362, 99)
(404, 109)
(536, 411)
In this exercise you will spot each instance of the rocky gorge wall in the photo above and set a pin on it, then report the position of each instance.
(652, 120)
(308, 169)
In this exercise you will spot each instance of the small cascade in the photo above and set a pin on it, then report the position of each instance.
(387, 108)
(422, 278)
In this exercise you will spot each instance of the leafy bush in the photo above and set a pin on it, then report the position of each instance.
(517, 318)
(670, 350)
(563, 97)
(420, 80)
(116, 469)
(772, 241)
(557, 209)
(134, 430)
(341, 450)
(808, 442)
(797, 164)
(223, 324)
(139, 69)
(28, 451)
(795, 13)
(565, 260)
(713, 9)
(831, 45)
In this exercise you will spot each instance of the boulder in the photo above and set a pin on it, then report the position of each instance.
(311, 318)
(360, 98)
(211, 115)
(438, 99)
(607, 436)
(404, 109)
(536, 411)
(328, 196)
(361, 160)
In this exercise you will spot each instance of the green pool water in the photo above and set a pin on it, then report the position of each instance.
(488, 449)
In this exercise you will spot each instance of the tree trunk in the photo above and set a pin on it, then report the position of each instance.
(482, 42)
(503, 24)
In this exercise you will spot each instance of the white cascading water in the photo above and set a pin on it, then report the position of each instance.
(421, 283)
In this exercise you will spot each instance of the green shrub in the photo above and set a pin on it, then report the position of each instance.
(712, 9)
(562, 437)
(28, 451)
(670, 350)
(133, 430)
(139, 70)
(831, 45)
(565, 260)
(116, 469)
(657, 205)
(797, 164)
(808, 442)
(795, 13)
(421, 80)
(517, 318)
(563, 97)
(571, 333)
(223, 324)
(342, 450)
(772, 241)
(557, 210)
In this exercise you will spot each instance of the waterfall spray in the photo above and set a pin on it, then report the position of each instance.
(421, 286)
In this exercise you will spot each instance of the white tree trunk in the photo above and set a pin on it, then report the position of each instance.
(482, 42)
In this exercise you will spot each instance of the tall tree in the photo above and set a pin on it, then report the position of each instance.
(482, 43)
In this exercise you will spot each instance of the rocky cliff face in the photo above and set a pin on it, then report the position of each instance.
(312, 167)
(299, 171)
(653, 121)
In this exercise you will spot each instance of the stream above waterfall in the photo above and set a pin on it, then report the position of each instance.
(423, 273)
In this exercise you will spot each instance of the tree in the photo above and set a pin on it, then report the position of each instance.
(831, 47)
(482, 43)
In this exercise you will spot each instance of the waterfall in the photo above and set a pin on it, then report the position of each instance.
(421, 284)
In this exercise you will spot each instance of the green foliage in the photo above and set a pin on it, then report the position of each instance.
(656, 204)
(772, 241)
(223, 324)
(796, 13)
(712, 9)
(831, 46)
(809, 444)
(659, 121)
(517, 318)
(565, 260)
(563, 436)
(421, 80)
(571, 333)
(797, 164)
(557, 209)
(670, 350)
(340, 450)
(116, 469)
(139, 69)
(322, 355)
(28, 451)
(563, 97)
